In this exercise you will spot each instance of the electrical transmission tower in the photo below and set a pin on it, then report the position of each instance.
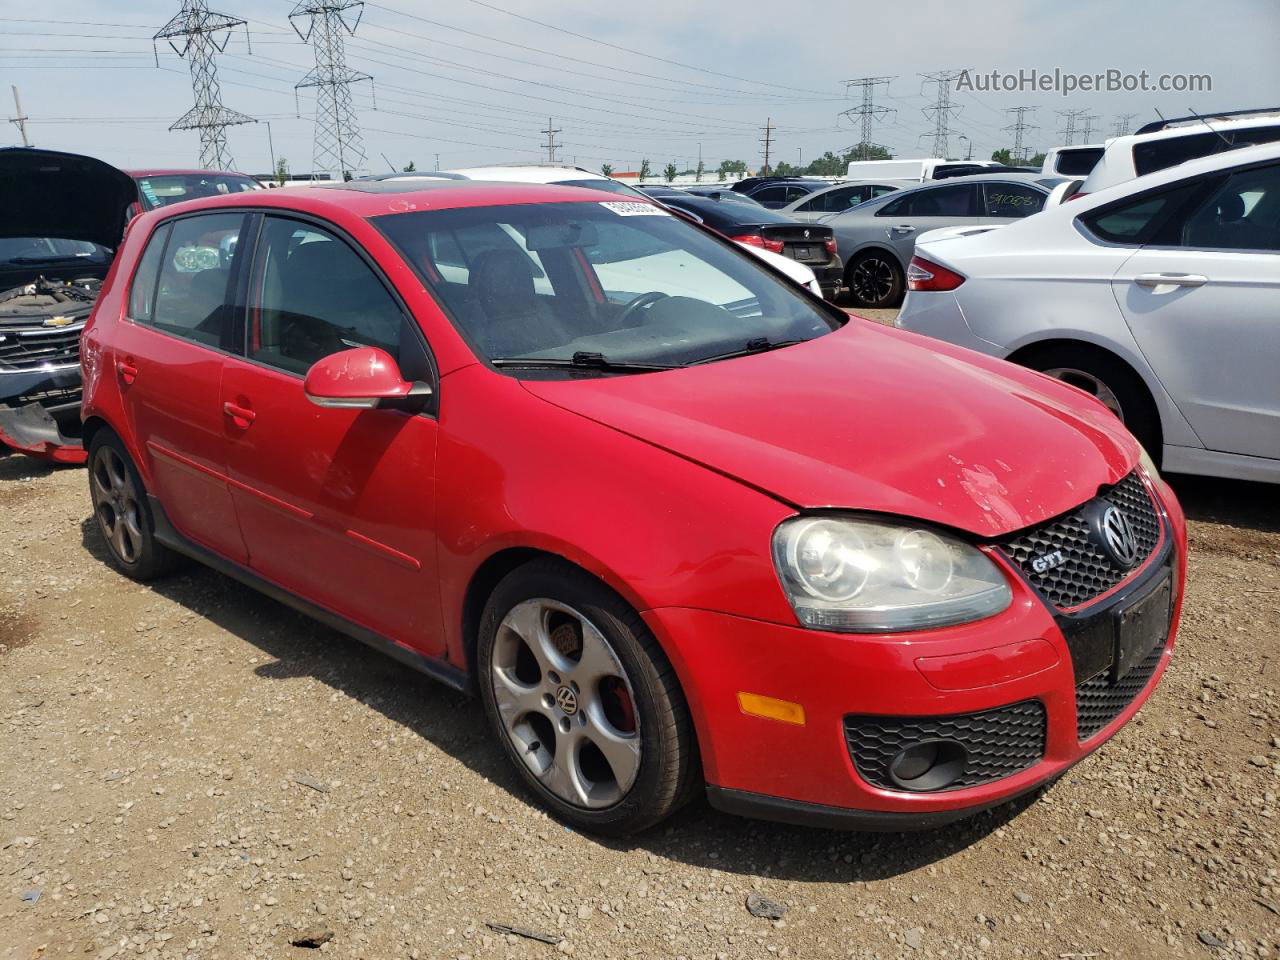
(551, 144)
(867, 112)
(1086, 135)
(200, 36)
(1019, 128)
(339, 147)
(1069, 130)
(767, 140)
(942, 110)
(1122, 123)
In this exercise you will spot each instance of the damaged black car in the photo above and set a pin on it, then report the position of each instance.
(62, 216)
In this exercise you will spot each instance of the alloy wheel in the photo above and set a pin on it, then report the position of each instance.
(1089, 383)
(116, 505)
(566, 703)
(872, 280)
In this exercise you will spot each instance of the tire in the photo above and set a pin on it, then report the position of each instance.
(1112, 382)
(549, 627)
(875, 280)
(122, 513)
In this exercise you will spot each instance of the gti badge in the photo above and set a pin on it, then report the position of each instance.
(1118, 538)
(1047, 561)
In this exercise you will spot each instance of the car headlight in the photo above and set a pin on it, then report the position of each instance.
(1148, 465)
(865, 576)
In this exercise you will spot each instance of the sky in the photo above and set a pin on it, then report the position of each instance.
(476, 81)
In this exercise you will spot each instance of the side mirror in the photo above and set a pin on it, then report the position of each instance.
(359, 379)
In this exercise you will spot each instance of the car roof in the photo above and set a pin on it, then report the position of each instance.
(529, 173)
(192, 172)
(1239, 157)
(1205, 123)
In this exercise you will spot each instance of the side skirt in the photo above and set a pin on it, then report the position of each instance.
(433, 667)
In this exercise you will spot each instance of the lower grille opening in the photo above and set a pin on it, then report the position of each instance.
(1099, 701)
(929, 754)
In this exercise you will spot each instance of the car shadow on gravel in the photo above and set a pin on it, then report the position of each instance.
(698, 835)
(17, 466)
(1234, 503)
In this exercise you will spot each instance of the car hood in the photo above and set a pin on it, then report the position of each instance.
(871, 418)
(45, 193)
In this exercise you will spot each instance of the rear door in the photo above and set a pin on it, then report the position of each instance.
(1008, 200)
(170, 353)
(1202, 299)
(920, 211)
(336, 505)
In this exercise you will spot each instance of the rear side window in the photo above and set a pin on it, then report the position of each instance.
(1243, 213)
(195, 275)
(1136, 220)
(142, 295)
(835, 201)
(771, 195)
(1152, 155)
(1011, 200)
(1077, 163)
(312, 296)
(959, 200)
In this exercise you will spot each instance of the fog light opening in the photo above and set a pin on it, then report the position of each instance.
(928, 765)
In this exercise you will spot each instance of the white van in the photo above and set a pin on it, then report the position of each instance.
(929, 168)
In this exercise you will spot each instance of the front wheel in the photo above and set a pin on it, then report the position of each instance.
(875, 280)
(584, 701)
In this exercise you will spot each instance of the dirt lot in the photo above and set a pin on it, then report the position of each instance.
(192, 770)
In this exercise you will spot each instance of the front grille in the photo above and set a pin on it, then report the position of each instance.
(1099, 701)
(34, 349)
(1087, 571)
(998, 742)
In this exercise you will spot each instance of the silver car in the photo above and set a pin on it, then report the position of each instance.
(841, 198)
(876, 239)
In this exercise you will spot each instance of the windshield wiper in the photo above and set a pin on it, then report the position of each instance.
(582, 360)
(755, 345)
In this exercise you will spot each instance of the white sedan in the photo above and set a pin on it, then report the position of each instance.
(1159, 296)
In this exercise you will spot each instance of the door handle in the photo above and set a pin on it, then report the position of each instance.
(242, 417)
(903, 229)
(126, 371)
(1170, 279)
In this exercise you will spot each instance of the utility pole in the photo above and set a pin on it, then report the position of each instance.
(1019, 128)
(437, 161)
(1068, 131)
(1122, 123)
(339, 148)
(20, 121)
(551, 141)
(942, 110)
(867, 112)
(767, 140)
(201, 36)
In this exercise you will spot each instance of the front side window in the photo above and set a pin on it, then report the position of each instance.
(312, 295)
(959, 200)
(195, 274)
(1011, 200)
(1241, 214)
(626, 281)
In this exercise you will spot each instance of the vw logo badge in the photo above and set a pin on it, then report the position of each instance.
(567, 700)
(1118, 538)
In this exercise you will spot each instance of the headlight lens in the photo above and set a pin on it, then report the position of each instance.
(1148, 465)
(864, 576)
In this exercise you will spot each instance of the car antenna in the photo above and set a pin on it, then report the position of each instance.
(389, 163)
(1203, 120)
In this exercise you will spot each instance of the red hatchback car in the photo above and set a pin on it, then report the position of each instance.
(679, 523)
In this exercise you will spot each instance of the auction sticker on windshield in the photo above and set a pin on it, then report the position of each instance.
(629, 208)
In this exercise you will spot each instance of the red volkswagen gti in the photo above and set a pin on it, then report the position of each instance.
(681, 525)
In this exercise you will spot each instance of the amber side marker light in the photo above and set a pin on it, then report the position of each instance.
(757, 705)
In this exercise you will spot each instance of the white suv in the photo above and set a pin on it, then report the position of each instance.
(1161, 297)
(1166, 143)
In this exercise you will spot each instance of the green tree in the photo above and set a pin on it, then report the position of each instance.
(411, 168)
(784, 169)
(1003, 155)
(606, 169)
(645, 169)
(1036, 161)
(282, 171)
(728, 167)
(670, 172)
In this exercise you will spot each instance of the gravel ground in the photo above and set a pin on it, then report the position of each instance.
(192, 770)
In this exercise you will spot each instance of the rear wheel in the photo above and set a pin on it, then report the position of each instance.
(584, 701)
(875, 280)
(122, 513)
(1109, 380)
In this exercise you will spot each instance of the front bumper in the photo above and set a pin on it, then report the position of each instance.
(40, 413)
(807, 774)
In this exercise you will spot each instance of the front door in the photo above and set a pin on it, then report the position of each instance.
(169, 358)
(1203, 303)
(336, 505)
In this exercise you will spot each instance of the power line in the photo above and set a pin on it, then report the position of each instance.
(867, 112)
(1122, 123)
(1070, 118)
(204, 35)
(551, 141)
(1086, 136)
(1019, 128)
(942, 110)
(339, 147)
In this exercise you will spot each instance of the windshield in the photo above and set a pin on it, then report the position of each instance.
(174, 188)
(608, 186)
(40, 249)
(628, 282)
